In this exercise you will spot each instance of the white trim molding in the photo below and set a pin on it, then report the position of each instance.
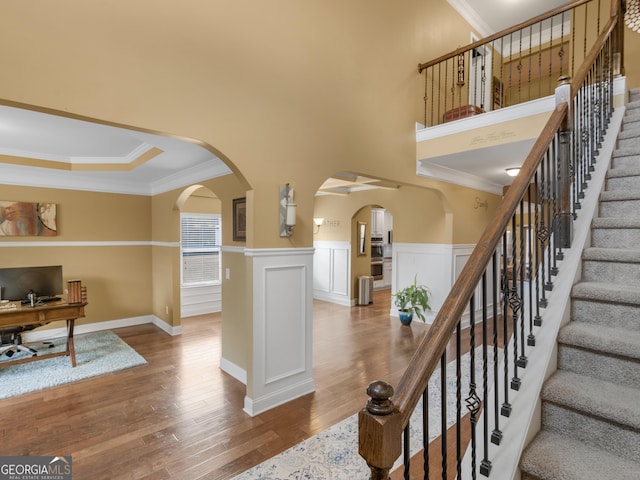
(48, 333)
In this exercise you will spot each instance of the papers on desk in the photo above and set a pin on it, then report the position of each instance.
(7, 305)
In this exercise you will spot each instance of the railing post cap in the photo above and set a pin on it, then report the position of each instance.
(380, 394)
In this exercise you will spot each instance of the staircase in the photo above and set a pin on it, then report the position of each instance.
(591, 404)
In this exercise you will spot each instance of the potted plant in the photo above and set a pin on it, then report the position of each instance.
(410, 300)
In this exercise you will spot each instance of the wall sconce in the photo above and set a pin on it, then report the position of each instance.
(287, 211)
(513, 171)
(319, 222)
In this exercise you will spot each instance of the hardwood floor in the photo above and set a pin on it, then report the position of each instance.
(180, 416)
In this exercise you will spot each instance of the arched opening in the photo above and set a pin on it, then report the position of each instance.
(200, 251)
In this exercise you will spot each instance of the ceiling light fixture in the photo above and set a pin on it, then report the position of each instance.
(513, 171)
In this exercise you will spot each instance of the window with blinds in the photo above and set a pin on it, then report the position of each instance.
(200, 238)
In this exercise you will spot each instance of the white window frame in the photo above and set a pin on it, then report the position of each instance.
(204, 217)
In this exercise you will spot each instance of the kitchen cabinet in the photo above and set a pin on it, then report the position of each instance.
(377, 222)
(387, 272)
(388, 227)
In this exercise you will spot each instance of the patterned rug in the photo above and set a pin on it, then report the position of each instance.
(333, 454)
(97, 353)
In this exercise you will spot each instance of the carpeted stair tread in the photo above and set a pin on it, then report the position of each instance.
(607, 401)
(619, 195)
(601, 338)
(551, 456)
(606, 292)
(616, 222)
(611, 254)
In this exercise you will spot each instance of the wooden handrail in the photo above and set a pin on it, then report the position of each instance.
(503, 33)
(425, 360)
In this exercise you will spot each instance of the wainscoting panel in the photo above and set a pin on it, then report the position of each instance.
(282, 327)
(432, 264)
(200, 300)
(331, 272)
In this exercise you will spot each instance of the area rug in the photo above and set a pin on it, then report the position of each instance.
(97, 353)
(333, 454)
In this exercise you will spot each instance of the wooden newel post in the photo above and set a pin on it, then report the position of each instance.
(379, 431)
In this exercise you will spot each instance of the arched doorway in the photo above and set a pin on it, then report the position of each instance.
(200, 251)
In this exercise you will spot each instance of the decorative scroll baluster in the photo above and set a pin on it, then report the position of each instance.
(539, 243)
(515, 302)
(473, 401)
(505, 410)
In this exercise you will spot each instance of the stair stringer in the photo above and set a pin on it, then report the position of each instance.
(526, 417)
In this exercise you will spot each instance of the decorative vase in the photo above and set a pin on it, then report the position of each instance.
(405, 317)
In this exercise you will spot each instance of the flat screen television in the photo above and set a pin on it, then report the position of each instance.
(15, 283)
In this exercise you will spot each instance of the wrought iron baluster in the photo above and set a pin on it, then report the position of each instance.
(473, 401)
(515, 303)
(443, 412)
(425, 431)
(485, 464)
(406, 436)
(496, 434)
(539, 243)
(505, 410)
(458, 348)
(522, 359)
(531, 338)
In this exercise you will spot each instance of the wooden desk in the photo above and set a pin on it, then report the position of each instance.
(39, 315)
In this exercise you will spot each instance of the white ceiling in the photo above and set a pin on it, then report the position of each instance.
(491, 16)
(60, 152)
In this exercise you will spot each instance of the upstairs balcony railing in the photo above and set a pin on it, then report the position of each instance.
(514, 66)
(473, 357)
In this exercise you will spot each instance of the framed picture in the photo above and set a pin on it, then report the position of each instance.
(239, 219)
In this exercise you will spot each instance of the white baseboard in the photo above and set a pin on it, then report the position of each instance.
(333, 298)
(259, 405)
(39, 335)
(234, 370)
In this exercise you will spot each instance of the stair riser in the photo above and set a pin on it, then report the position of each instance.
(625, 161)
(632, 109)
(623, 183)
(632, 142)
(591, 363)
(612, 314)
(618, 441)
(620, 208)
(612, 272)
(615, 237)
(631, 122)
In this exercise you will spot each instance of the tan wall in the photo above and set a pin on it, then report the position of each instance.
(350, 102)
(632, 53)
(117, 277)
(236, 312)
(419, 215)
